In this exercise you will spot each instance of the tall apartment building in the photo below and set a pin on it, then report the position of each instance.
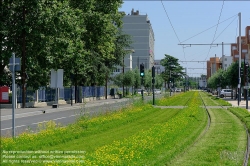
(213, 64)
(244, 49)
(141, 32)
(225, 61)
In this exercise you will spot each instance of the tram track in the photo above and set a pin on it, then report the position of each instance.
(247, 151)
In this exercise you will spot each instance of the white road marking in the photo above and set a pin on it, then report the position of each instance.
(11, 127)
(38, 122)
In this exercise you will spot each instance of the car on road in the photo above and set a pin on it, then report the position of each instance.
(225, 93)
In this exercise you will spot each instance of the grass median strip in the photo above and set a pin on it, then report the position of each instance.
(176, 100)
(143, 135)
(223, 144)
(210, 100)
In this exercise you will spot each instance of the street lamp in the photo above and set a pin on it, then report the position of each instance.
(123, 66)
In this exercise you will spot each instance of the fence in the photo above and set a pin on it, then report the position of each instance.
(46, 94)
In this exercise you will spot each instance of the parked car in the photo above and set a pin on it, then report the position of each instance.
(225, 93)
(139, 91)
(157, 91)
(178, 90)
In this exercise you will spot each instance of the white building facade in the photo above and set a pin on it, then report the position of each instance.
(141, 32)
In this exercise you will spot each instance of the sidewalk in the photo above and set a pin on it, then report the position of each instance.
(8, 111)
(234, 103)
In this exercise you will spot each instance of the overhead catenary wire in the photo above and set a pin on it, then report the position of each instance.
(215, 30)
(208, 29)
(173, 27)
(170, 21)
(225, 28)
(218, 22)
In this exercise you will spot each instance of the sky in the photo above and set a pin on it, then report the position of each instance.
(193, 22)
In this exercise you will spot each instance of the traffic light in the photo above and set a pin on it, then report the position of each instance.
(153, 71)
(241, 71)
(142, 70)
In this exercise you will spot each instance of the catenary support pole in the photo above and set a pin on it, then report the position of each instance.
(239, 90)
(13, 95)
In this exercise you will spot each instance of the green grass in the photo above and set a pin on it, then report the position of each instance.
(143, 135)
(180, 99)
(210, 100)
(244, 116)
(223, 144)
(99, 134)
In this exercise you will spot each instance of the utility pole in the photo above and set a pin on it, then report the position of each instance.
(222, 56)
(185, 80)
(153, 83)
(170, 88)
(123, 95)
(239, 90)
(247, 66)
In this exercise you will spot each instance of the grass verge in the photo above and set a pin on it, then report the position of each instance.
(223, 144)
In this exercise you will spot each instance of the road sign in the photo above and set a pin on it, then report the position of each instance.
(56, 78)
(17, 64)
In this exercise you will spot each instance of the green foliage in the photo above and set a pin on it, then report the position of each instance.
(62, 34)
(129, 78)
(223, 78)
(158, 81)
(118, 79)
(173, 69)
(137, 82)
(148, 80)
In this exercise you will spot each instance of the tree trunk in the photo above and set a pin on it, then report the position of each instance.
(106, 87)
(76, 91)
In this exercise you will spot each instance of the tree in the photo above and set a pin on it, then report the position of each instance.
(158, 81)
(172, 69)
(118, 79)
(129, 79)
(148, 80)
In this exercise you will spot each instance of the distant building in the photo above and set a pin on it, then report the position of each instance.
(226, 61)
(213, 64)
(141, 32)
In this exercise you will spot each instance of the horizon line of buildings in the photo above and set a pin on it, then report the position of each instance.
(141, 32)
(216, 63)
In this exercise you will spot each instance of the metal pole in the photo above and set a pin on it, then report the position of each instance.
(247, 86)
(170, 89)
(186, 80)
(56, 98)
(71, 94)
(222, 56)
(13, 95)
(239, 58)
(153, 82)
(142, 88)
(123, 79)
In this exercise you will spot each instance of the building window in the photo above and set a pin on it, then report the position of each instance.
(225, 59)
(225, 65)
(234, 48)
